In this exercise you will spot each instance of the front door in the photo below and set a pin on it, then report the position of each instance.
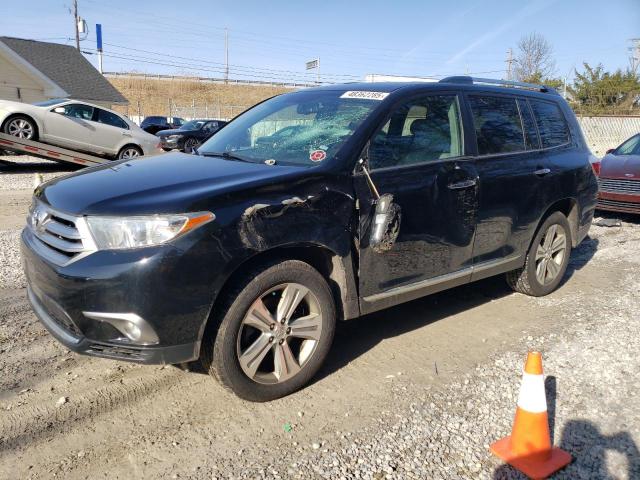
(71, 128)
(418, 156)
(111, 130)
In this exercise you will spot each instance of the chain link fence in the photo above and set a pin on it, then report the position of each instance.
(137, 111)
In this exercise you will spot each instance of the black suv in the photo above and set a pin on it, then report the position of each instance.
(247, 254)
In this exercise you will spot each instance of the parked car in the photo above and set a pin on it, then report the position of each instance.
(77, 126)
(619, 178)
(247, 254)
(156, 124)
(189, 135)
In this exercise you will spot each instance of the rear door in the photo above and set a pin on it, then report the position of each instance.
(418, 156)
(512, 179)
(71, 128)
(111, 132)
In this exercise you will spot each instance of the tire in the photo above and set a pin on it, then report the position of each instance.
(535, 278)
(167, 149)
(21, 126)
(129, 152)
(228, 338)
(189, 144)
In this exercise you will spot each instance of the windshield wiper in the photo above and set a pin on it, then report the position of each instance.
(227, 155)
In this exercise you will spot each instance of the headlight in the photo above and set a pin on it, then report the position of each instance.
(173, 137)
(144, 231)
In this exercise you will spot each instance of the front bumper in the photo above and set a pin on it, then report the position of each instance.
(618, 202)
(159, 284)
(171, 143)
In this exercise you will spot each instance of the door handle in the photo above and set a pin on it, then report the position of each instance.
(462, 184)
(541, 172)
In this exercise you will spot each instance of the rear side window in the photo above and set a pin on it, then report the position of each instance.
(552, 125)
(112, 119)
(531, 141)
(497, 124)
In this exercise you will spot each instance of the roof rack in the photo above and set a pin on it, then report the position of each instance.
(500, 83)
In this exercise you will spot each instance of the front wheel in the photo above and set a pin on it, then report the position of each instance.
(547, 259)
(273, 332)
(189, 144)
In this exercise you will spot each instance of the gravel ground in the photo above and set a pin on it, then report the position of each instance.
(417, 391)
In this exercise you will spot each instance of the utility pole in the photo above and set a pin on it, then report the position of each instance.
(75, 22)
(509, 63)
(226, 55)
(635, 54)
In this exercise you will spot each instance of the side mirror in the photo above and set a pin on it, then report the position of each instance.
(386, 224)
(611, 150)
(59, 110)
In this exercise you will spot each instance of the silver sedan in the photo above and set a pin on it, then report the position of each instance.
(77, 126)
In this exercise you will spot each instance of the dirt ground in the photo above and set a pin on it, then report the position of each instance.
(72, 416)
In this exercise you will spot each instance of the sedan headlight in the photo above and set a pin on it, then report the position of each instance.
(173, 137)
(144, 231)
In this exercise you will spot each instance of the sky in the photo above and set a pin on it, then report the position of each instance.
(272, 40)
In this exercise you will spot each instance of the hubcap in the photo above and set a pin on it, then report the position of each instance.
(130, 153)
(279, 334)
(550, 254)
(21, 128)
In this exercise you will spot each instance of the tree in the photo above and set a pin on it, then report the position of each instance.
(596, 91)
(534, 60)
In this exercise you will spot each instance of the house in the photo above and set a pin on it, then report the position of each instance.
(32, 71)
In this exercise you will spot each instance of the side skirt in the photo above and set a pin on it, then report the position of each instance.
(406, 293)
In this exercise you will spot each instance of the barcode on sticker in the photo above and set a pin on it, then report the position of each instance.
(365, 95)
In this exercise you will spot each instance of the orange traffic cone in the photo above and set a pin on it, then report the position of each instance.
(528, 448)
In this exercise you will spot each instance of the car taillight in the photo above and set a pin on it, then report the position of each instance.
(596, 168)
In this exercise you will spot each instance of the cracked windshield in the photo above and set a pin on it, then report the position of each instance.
(304, 129)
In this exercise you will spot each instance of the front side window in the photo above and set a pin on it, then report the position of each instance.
(77, 110)
(552, 125)
(497, 124)
(109, 118)
(421, 130)
(303, 128)
(630, 147)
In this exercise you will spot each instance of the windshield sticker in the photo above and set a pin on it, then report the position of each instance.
(317, 155)
(365, 95)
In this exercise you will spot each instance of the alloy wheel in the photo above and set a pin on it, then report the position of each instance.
(190, 144)
(279, 334)
(550, 254)
(20, 128)
(130, 153)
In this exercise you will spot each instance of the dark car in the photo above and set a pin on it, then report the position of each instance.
(156, 124)
(247, 254)
(189, 135)
(619, 178)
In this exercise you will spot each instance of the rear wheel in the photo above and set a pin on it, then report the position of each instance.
(129, 151)
(22, 127)
(273, 332)
(547, 259)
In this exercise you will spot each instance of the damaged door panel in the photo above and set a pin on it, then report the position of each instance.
(418, 200)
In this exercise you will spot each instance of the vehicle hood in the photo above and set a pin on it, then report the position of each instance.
(166, 183)
(620, 166)
(174, 131)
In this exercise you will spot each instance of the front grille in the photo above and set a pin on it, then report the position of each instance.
(117, 352)
(631, 187)
(61, 238)
(628, 206)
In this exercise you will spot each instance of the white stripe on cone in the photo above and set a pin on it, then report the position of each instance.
(532, 397)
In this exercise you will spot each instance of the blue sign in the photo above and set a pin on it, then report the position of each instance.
(99, 36)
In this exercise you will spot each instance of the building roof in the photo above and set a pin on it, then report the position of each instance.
(65, 66)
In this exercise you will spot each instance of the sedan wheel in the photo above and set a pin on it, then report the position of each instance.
(21, 128)
(279, 333)
(190, 144)
(129, 152)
